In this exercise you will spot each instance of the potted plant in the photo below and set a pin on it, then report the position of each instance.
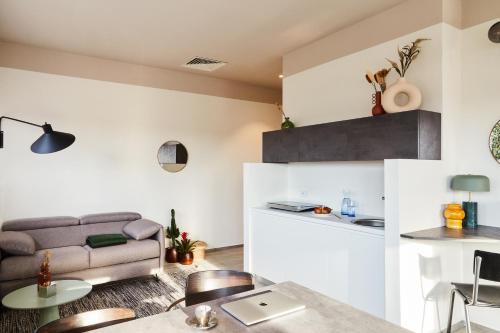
(287, 123)
(185, 249)
(172, 234)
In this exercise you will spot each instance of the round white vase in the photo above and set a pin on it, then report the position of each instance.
(401, 87)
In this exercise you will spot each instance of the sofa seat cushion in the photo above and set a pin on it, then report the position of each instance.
(121, 254)
(63, 260)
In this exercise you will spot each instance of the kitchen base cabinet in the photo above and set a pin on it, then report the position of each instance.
(344, 263)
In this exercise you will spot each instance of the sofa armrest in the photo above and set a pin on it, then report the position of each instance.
(160, 237)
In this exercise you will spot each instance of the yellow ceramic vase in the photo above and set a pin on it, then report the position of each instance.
(454, 215)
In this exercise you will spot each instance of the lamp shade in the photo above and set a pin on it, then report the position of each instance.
(52, 141)
(470, 183)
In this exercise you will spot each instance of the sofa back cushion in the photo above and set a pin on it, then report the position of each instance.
(103, 228)
(106, 223)
(54, 232)
(49, 238)
(109, 217)
(49, 232)
(39, 223)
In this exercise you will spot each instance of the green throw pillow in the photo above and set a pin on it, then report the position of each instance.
(96, 241)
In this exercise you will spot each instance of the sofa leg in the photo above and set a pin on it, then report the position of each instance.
(157, 278)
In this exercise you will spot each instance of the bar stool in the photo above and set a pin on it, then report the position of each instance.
(486, 267)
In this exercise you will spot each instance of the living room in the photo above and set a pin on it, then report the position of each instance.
(174, 126)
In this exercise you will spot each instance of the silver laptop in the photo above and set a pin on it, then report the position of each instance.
(258, 308)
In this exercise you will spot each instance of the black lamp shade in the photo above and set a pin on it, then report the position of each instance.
(52, 141)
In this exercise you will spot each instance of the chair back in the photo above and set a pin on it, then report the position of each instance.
(88, 321)
(210, 285)
(490, 265)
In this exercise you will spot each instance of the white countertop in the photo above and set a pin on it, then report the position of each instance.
(330, 220)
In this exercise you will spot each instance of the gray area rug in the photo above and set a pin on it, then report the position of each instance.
(145, 296)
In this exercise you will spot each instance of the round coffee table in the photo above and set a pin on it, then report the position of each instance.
(27, 298)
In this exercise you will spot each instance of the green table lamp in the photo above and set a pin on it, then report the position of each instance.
(470, 183)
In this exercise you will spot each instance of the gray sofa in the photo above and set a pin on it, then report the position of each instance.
(65, 237)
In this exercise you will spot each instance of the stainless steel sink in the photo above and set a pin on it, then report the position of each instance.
(377, 223)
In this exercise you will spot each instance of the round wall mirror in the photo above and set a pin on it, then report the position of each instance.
(172, 156)
(494, 33)
(495, 141)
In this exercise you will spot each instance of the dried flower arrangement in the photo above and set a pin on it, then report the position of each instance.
(407, 54)
(378, 78)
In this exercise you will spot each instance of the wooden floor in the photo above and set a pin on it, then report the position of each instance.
(232, 258)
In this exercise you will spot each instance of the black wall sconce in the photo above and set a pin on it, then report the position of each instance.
(50, 141)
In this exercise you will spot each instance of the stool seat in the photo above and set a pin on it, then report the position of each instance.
(486, 266)
(488, 295)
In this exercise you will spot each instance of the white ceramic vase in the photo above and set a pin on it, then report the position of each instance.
(401, 87)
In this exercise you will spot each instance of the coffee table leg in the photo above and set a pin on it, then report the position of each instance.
(48, 314)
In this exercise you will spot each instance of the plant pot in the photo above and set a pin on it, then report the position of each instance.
(401, 88)
(377, 109)
(171, 255)
(186, 258)
(287, 123)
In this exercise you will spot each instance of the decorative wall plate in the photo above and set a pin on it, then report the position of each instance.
(495, 141)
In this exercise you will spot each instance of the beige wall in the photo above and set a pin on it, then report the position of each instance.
(112, 166)
(475, 12)
(337, 90)
(398, 21)
(63, 63)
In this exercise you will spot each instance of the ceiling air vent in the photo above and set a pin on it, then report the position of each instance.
(204, 64)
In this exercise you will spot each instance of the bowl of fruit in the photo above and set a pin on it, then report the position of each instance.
(322, 211)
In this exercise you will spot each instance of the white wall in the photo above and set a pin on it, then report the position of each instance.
(479, 113)
(112, 166)
(324, 183)
(337, 90)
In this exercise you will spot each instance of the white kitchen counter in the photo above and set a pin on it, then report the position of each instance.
(331, 220)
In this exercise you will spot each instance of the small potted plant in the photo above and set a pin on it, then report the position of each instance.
(185, 249)
(172, 234)
(287, 123)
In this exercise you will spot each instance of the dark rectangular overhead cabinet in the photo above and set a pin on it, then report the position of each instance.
(405, 135)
